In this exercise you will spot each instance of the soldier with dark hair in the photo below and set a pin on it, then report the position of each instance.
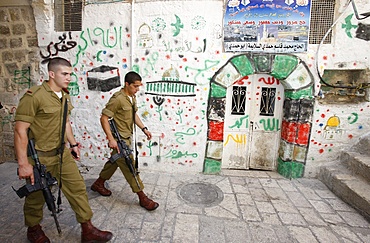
(122, 108)
(40, 116)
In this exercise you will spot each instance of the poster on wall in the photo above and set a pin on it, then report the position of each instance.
(277, 26)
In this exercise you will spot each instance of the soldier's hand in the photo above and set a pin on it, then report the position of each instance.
(25, 171)
(148, 134)
(113, 144)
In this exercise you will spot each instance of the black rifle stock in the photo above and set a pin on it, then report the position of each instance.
(124, 150)
(43, 181)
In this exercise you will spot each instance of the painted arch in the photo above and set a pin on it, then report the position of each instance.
(298, 84)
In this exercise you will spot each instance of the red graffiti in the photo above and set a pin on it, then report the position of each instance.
(269, 81)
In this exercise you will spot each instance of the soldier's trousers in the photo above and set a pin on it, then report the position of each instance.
(73, 188)
(109, 169)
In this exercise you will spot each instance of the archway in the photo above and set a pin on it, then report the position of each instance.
(298, 84)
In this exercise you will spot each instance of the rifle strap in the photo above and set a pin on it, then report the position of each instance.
(135, 143)
(61, 149)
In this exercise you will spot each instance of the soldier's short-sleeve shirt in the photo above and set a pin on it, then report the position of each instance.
(120, 108)
(43, 109)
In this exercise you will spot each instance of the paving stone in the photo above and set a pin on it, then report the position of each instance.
(186, 228)
(321, 206)
(302, 234)
(312, 217)
(292, 219)
(256, 207)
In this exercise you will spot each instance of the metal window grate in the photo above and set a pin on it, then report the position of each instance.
(322, 15)
(68, 15)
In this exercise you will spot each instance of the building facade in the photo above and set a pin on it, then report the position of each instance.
(208, 109)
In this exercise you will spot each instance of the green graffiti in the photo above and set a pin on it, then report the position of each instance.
(208, 64)
(23, 76)
(178, 26)
(179, 112)
(347, 26)
(80, 48)
(175, 154)
(150, 63)
(158, 24)
(106, 35)
(6, 120)
(352, 118)
(239, 123)
(98, 56)
(150, 145)
(198, 23)
(181, 135)
(159, 101)
(270, 124)
(73, 87)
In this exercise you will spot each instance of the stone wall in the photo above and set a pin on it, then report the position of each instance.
(19, 61)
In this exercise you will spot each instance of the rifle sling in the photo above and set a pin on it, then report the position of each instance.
(61, 150)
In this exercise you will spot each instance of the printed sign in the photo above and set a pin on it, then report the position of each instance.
(280, 26)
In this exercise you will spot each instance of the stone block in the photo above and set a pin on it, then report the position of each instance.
(8, 138)
(27, 14)
(31, 41)
(4, 30)
(21, 55)
(11, 67)
(4, 16)
(16, 42)
(7, 56)
(18, 29)
(15, 14)
(3, 43)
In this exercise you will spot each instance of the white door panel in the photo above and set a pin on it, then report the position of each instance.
(252, 123)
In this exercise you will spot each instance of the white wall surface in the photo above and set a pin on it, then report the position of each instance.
(111, 35)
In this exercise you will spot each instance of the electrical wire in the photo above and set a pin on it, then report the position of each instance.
(318, 49)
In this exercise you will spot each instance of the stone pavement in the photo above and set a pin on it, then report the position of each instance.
(240, 206)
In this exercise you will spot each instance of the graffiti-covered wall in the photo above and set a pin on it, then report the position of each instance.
(177, 47)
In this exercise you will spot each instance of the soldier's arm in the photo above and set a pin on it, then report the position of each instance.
(143, 128)
(112, 143)
(71, 139)
(25, 169)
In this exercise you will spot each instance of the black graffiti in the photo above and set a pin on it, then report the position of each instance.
(62, 46)
(363, 32)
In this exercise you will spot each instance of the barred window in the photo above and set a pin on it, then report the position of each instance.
(68, 15)
(238, 100)
(322, 18)
(267, 106)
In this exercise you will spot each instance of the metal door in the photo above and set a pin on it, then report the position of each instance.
(252, 125)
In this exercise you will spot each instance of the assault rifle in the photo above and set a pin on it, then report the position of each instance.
(43, 181)
(124, 150)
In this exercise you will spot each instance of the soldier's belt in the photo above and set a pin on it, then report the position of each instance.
(50, 153)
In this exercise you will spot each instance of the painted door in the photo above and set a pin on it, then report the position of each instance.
(252, 123)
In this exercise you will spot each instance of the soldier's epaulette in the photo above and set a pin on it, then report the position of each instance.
(31, 91)
(117, 93)
(66, 90)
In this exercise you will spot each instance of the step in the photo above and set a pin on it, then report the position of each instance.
(357, 163)
(363, 145)
(352, 189)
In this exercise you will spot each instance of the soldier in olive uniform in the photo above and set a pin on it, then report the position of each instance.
(122, 108)
(40, 116)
